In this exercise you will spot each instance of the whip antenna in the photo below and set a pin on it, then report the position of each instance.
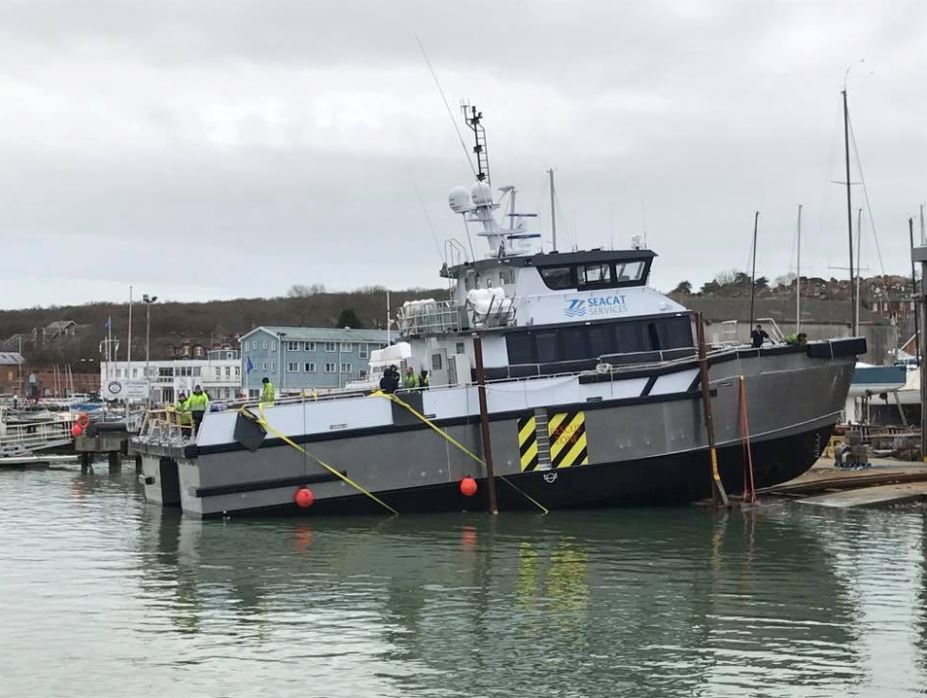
(447, 106)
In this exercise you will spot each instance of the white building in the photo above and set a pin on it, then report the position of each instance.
(219, 375)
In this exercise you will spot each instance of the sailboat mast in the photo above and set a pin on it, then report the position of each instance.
(914, 298)
(553, 211)
(798, 279)
(859, 262)
(846, 152)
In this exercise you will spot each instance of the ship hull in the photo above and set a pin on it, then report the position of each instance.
(659, 481)
(638, 438)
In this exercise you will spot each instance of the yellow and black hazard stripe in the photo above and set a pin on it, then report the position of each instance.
(568, 439)
(528, 443)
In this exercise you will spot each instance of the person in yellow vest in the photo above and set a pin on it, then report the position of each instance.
(410, 380)
(267, 391)
(197, 404)
(182, 410)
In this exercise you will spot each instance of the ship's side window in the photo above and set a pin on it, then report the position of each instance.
(630, 337)
(601, 340)
(574, 343)
(520, 347)
(674, 333)
(547, 347)
(653, 336)
(557, 277)
(595, 275)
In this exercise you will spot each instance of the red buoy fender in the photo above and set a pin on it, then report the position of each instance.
(468, 486)
(76, 431)
(83, 420)
(303, 497)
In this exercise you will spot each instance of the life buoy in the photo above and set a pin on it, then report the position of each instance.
(83, 420)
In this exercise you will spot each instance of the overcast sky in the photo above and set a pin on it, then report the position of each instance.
(216, 149)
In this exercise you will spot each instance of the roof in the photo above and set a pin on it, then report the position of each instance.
(322, 334)
(824, 312)
(59, 324)
(544, 259)
(11, 358)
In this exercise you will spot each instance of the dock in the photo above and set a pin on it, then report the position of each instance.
(109, 438)
(888, 482)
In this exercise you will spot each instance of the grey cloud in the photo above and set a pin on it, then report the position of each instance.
(234, 148)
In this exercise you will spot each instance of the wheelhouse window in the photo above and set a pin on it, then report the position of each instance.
(599, 274)
(557, 277)
(629, 272)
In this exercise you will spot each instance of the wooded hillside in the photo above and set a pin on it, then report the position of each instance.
(212, 322)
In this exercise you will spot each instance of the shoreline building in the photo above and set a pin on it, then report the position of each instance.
(219, 374)
(301, 358)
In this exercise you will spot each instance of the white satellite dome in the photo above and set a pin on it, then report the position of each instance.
(481, 194)
(459, 200)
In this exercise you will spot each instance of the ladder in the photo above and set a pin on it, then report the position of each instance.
(542, 435)
(475, 122)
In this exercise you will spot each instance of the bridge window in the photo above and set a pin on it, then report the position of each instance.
(629, 271)
(595, 274)
(557, 277)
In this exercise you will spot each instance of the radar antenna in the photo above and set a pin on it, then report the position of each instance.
(474, 120)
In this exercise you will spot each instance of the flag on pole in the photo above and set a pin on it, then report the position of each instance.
(249, 366)
(106, 325)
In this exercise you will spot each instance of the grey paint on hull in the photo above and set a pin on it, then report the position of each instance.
(813, 391)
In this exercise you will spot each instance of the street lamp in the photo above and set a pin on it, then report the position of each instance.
(148, 300)
(281, 338)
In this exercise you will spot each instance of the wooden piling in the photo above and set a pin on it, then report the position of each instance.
(718, 495)
(484, 424)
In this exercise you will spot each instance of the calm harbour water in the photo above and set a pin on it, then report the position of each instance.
(103, 595)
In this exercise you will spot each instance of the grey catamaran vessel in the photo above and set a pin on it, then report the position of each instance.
(593, 398)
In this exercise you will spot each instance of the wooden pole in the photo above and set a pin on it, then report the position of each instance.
(756, 221)
(922, 361)
(484, 424)
(718, 495)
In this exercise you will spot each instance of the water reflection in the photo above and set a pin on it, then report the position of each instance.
(674, 601)
(785, 600)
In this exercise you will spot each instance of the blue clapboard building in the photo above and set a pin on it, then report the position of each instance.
(297, 358)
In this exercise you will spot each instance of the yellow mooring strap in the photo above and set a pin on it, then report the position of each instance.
(450, 439)
(261, 419)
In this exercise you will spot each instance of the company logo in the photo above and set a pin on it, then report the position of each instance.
(576, 307)
(115, 387)
(595, 306)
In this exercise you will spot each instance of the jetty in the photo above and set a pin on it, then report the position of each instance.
(887, 482)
